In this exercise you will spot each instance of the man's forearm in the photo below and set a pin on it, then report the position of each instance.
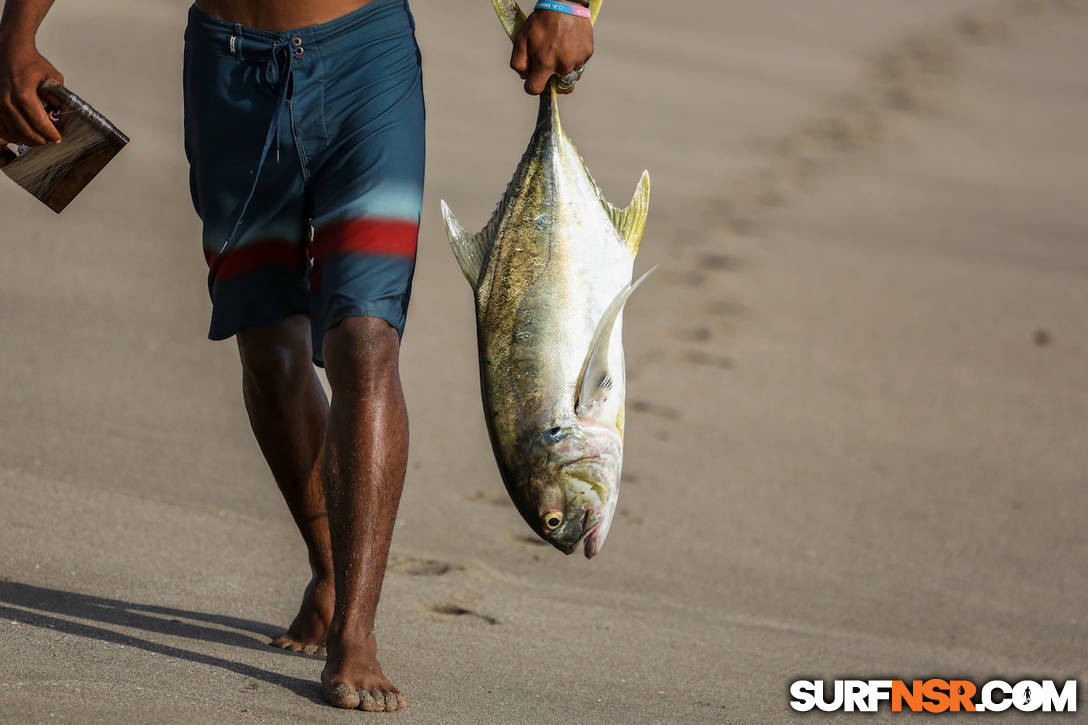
(22, 18)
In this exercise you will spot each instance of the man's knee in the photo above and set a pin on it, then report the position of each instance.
(278, 357)
(360, 353)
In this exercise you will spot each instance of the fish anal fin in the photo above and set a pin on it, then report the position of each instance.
(597, 380)
(631, 222)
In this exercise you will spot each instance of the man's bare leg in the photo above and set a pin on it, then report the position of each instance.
(288, 412)
(366, 452)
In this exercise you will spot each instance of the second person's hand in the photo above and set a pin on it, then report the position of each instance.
(23, 119)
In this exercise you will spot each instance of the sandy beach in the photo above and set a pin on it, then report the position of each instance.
(857, 386)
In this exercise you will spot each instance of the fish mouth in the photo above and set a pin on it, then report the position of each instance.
(591, 547)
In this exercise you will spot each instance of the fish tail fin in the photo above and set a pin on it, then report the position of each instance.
(549, 108)
(512, 18)
(510, 15)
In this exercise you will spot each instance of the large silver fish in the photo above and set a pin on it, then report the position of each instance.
(551, 273)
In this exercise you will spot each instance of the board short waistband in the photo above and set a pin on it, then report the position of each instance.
(376, 20)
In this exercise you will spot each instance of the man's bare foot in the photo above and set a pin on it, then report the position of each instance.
(353, 678)
(307, 633)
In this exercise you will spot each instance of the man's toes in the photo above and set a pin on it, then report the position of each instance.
(379, 698)
(370, 703)
(391, 702)
(341, 696)
(286, 643)
(312, 649)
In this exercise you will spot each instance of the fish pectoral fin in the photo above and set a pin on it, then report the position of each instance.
(631, 222)
(597, 379)
(512, 18)
(470, 250)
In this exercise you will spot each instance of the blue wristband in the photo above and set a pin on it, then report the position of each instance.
(561, 7)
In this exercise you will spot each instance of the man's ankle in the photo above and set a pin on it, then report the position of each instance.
(351, 629)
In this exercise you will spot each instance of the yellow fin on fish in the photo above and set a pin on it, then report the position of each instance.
(596, 380)
(512, 18)
(470, 250)
(631, 222)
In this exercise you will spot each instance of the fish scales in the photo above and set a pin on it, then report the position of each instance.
(556, 286)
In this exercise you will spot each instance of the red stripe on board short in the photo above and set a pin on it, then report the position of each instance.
(368, 236)
(253, 256)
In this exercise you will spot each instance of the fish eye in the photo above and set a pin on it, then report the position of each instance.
(552, 520)
(554, 435)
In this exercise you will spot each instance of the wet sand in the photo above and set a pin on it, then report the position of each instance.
(857, 385)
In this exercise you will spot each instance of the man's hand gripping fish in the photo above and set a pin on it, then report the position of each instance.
(551, 273)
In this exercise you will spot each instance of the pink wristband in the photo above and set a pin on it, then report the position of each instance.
(557, 6)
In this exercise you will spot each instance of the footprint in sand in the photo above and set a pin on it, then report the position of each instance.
(420, 567)
(699, 357)
(451, 609)
(718, 262)
(661, 411)
(495, 499)
(724, 308)
(691, 334)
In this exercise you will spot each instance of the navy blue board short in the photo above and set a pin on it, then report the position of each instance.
(306, 152)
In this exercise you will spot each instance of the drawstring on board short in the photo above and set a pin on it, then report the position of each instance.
(277, 73)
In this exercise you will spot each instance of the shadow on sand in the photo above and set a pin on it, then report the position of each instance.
(34, 606)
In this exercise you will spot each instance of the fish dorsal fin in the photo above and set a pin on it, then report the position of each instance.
(631, 222)
(597, 379)
(471, 250)
(512, 18)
